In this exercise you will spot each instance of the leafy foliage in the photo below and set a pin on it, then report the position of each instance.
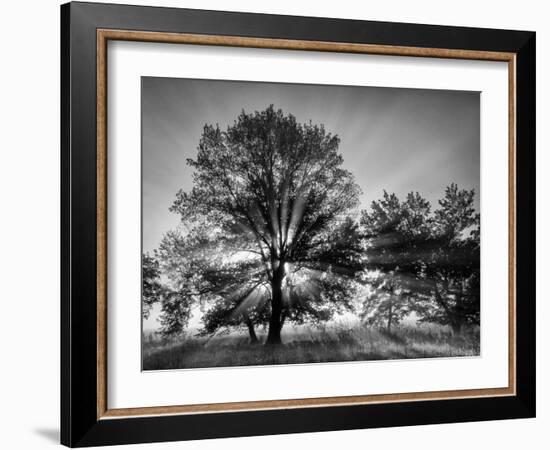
(270, 195)
(453, 269)
(152, 289)
(387, 303)
(426, 263)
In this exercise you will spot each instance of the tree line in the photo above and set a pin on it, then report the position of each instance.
(271, 234)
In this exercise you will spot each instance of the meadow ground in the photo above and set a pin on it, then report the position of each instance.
(311, 345)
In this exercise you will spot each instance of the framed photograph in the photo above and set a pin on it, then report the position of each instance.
(276, 224)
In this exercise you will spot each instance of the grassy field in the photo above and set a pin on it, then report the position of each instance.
(311, 345)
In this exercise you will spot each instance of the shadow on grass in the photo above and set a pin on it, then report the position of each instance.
(334, 345)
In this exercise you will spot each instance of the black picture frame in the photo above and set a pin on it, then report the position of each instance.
(80, 425)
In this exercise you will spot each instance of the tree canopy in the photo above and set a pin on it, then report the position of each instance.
(427, 263)
(270, 195)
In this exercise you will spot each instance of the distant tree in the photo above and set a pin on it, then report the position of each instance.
(453, 269)
(176, 311)
(269, 212)
(152, 289)
(423, 262)
(387, 303)
(395, 233)
(175, 307)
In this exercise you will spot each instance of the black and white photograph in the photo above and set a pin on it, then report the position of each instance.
(275, 225)
(298, 223)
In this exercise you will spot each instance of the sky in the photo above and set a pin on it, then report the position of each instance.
(400, 140)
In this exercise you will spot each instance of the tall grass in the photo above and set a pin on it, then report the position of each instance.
(327, 344)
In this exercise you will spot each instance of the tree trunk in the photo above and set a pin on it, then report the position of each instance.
(458, 314)
(275, 322)
(456, 326)
(251, 331)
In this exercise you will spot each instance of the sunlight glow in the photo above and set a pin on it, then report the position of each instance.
(287, 268)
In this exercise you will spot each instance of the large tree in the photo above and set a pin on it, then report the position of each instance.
(275, 200)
